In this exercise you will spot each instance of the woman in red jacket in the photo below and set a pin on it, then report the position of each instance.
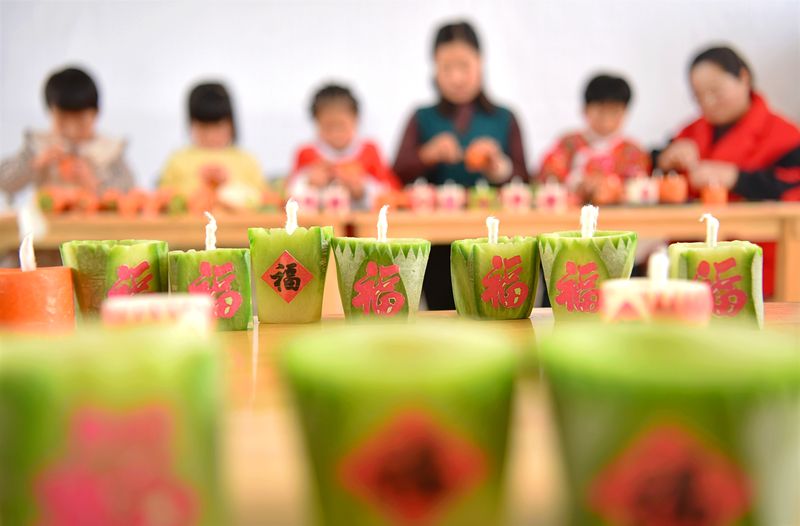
(738, 142)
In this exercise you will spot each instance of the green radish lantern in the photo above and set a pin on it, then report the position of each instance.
(494, 277)
(222, 273)
(115, 268)
(677, 425)
(379, 277)
(405, 424)
(107, 425)
(575, 264)
(289, 269)
(733, 269)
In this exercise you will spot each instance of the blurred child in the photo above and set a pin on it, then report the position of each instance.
(71, 153)
(339, 156)
(587, 161)
(213, 160)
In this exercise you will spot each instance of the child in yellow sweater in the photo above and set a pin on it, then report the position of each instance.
(213, 161)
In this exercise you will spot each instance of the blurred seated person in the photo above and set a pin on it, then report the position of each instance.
(738, 142)
(213, 159)
(339, 155)
(71, 153)
(593, 162)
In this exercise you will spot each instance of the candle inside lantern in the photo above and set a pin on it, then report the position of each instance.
(115, 268)
(422, 196)
(380, 277)
(552, 196)
(494, 277)
(733, 269)
(289, 267)
(482, 196)
(576, 263)
(109, 425)
(656, 298)
(652, 419)
(221, 273)
(451, 196)
(35, 299)
(516, 196)
(385, 410)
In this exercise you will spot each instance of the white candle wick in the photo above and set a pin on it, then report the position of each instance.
(589, 215)
(383, 224)
(27, 258)
(493, 227)
(291, 216)
(712, 229)
(211, 232)
(658, 267)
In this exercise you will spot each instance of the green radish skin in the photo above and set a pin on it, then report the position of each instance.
(311, 248)
(353, 257)
(612, 252)
(734, 391)
(686, 257)
(184, 269)
(471, 261)
(95, 265)
(349, 385)
(45, 384)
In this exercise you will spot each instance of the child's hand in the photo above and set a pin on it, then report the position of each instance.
(680, 155)
(710, 173)
(48, 156)
(351, 176)
(83, 175)
(443, 148)
(213, 175)
(485, 155)
(319, 174)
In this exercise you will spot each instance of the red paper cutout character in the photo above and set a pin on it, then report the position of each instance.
(502, 286)
(116, 470)
(216, 280)
(132, 281)
(577, 289)
(376, 293)
(728, 300)
(412, 469)
(667, 477)
(287, 276)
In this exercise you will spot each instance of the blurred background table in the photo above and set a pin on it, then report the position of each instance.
(766, 221)
(265, 471)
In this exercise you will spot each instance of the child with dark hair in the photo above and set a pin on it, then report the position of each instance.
(213, 160)
(339, 156)
(71, 153)
(584, 160)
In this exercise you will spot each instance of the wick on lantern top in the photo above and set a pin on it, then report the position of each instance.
(493, 228)
(712, 229)
(589, 215)
(383, 224)
(27, 258)
(658, 267)
(291, 216)
(211, 232)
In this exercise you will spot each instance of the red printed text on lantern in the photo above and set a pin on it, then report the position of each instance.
(131, 280)
(502, 284)
(375, 292)
(728, 300)
(217, 280)
(577, 288)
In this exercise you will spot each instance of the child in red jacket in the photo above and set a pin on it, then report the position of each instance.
(339, 156)
(587, 161)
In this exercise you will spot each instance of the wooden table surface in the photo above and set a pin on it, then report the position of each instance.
(265, 472)
(766, 221)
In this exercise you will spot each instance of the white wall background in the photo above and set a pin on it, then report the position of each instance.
(273, 54)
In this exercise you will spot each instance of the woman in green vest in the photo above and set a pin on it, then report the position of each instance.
(464, 125)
